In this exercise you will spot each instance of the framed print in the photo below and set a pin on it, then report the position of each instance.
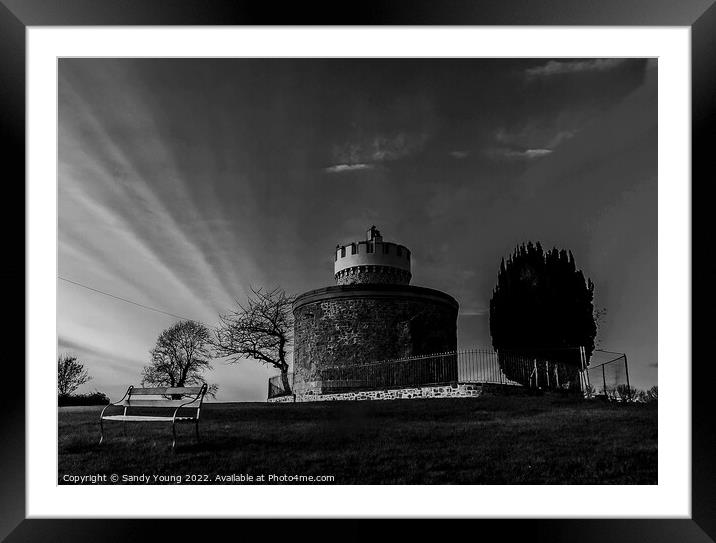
(284, 258)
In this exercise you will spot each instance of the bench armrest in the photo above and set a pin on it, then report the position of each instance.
(126, 394)
(198, 398)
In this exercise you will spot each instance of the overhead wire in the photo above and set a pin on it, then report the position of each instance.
(144, 306)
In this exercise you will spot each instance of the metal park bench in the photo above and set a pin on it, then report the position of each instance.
(187, 398)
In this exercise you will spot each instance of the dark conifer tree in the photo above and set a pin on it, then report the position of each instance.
(541, 307)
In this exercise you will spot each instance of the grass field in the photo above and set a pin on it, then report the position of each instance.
(486, 440)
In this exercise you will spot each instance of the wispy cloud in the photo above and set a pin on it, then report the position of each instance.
(340, 168)
(459, 154)
(365, 154)
(535, 136)
(531, 153)
(397, 146)
(517, 154)
(529, 142)
(555, 67)
(559, 137)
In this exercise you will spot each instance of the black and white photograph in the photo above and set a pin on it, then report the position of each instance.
(357, 271)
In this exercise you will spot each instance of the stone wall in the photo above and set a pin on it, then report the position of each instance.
(282, 399)
(460, 390)
(353, 326)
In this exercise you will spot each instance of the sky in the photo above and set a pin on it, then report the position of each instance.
(184, 182)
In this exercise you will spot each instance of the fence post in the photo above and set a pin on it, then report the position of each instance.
(536, 374)
(586, 370)
(546, 371)
(626, 370)
(604, 378)
(582, 372)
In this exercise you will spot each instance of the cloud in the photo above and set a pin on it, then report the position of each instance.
(517, 154)
(534, 135)
(534, 153)
(109, 358)
(459, 154)
(365, 154)
(529, 142)
(396, 146)
(340, 168)
(554, 67)
(560, 137)
(109, 180)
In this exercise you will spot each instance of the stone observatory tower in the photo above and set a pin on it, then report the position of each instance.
(372, 314)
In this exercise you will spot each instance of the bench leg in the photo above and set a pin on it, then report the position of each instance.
(174, 435)
(101, 432)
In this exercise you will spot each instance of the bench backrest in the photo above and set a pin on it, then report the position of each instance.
(190, 397)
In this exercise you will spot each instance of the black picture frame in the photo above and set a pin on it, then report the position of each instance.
(699, 15)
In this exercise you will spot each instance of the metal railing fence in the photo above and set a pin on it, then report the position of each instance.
(608, 376)
(546, 369)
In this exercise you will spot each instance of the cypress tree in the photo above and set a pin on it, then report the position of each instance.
(542, 307)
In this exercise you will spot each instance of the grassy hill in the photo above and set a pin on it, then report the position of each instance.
(486, 440)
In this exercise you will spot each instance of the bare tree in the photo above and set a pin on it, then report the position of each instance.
(71, 374)
(261, 330)
(180, 357)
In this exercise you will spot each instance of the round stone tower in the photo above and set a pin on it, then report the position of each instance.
(372, 314)
(372, 261)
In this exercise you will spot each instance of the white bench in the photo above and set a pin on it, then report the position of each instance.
(186, 398)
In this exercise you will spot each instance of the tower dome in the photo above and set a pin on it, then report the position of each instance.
(372, 261)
